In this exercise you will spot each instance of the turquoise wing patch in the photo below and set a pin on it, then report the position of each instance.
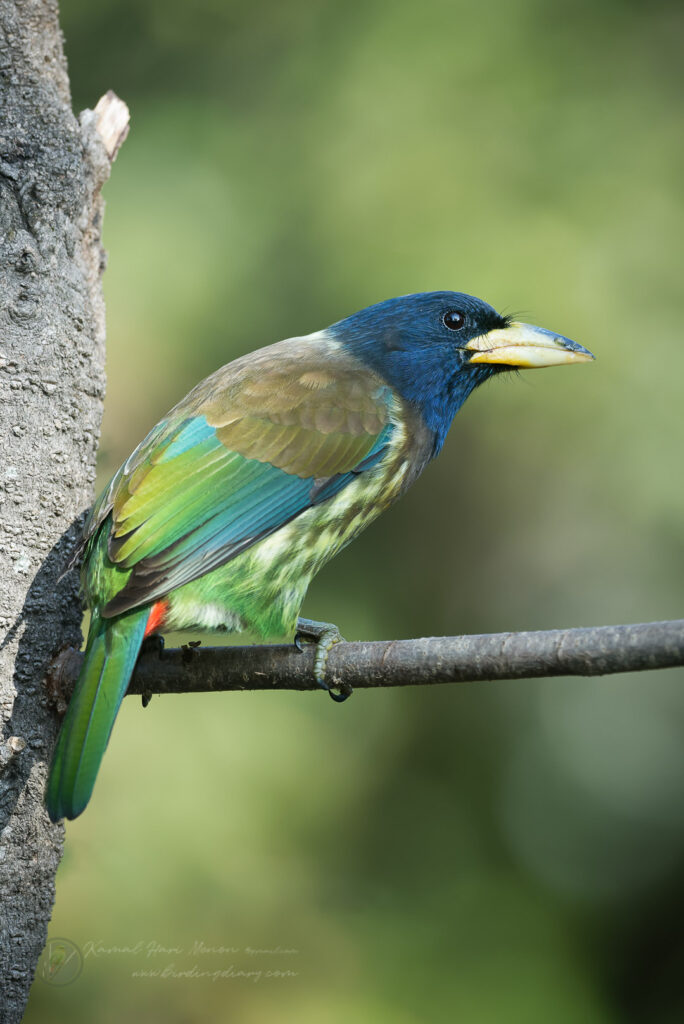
(193, 504)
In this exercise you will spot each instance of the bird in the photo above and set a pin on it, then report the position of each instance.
(223, 514)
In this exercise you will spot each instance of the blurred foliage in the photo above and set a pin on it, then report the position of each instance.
(493, 853)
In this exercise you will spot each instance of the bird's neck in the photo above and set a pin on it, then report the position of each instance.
(436, 390)
(440, 396)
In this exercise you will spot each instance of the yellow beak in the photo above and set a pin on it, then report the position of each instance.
(526, 346)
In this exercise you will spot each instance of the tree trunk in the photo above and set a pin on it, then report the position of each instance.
(52, 168)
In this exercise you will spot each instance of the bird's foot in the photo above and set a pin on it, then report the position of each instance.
(324, 635)
(190, 650)
(153, 642)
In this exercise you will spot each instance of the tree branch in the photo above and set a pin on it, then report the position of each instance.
(597, 650)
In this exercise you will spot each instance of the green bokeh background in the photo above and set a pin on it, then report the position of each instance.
(506, 852)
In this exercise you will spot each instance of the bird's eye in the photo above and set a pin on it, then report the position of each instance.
(453, 320)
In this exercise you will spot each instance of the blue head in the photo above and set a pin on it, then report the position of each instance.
(434, 348)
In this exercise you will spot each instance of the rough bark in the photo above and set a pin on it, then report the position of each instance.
(52, 167)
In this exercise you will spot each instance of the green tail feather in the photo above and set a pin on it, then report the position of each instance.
(110, 656)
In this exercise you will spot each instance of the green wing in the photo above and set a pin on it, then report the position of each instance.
(247, 451)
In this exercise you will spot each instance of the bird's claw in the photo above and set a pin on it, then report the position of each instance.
(153, 642)
(324, 635)
(190, 650)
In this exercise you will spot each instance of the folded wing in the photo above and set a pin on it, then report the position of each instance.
(250, 449)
